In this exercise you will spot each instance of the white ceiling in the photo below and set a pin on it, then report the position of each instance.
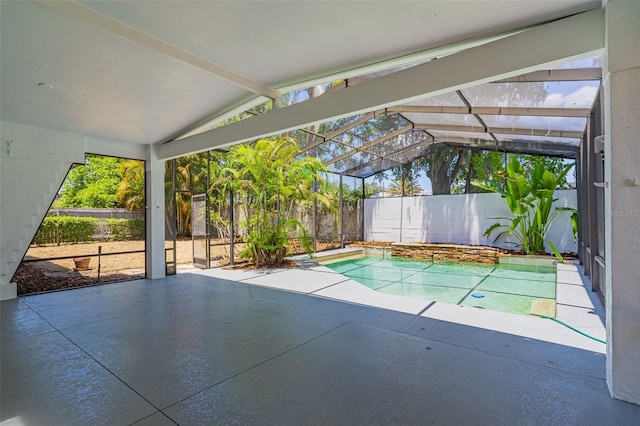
(108, 86)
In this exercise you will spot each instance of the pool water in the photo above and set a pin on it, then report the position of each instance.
(504, 288)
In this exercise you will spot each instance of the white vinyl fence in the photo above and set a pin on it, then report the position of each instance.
(459, 219)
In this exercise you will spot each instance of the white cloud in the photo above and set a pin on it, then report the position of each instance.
(581, 98)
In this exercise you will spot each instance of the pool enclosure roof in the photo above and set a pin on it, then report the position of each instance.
(541, 113)
(407, 76)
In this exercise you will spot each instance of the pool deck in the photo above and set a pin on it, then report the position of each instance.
(233, 347)
(575, 304)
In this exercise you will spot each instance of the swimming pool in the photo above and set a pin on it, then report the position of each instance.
(505, 288)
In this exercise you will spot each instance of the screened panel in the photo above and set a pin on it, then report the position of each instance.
(531, 122)
(373, 168)
(364, 144)
(442, 119)
(329, 150)
(443, 135)
(568, 142)
(304, 138)
(329, 127)
(556, 94)
(352, 161)
(445, 99)
(369, 132)
(418, 150)
(571, 94)
(404, 140)
(591, 62)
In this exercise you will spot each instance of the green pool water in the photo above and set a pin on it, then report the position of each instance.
(504, 288)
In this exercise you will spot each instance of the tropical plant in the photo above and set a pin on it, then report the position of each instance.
(530, 199)
(405, 180)
(405, 187)
(267, 179)
(130, 192)
(190, 179)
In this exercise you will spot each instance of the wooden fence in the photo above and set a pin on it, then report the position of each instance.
(97, 213)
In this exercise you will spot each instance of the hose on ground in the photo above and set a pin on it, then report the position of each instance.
(574, 329)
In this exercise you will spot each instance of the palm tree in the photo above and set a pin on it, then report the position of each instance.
(405, 187)
(191, 177)
(130, 192)
(268, 181)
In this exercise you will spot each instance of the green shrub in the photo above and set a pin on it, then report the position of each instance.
(529, 196)
(65, 229)
(126, 229)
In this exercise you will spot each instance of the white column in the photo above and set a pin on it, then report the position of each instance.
(622, 197)
(156, 264)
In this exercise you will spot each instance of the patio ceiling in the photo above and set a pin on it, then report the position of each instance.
(148, 72)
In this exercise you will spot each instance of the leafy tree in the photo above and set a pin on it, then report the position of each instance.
(131, 191)
(372, 188)
(443, 167)
(483, 165)
(92, 185)
(268, 179)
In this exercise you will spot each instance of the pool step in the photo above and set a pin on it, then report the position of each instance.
(543, 307)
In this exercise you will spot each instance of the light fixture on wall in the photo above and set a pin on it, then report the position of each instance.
(9, 145)
(45, 85)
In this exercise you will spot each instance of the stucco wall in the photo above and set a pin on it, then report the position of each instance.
(33, 164)
(460, 219)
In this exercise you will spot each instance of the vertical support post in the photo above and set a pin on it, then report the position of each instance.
(154, 238)
(579, 192)
(232, 231)
(174, 207)
(341, 215)
(364, 196)
(592, 219)
(589, 191)
(621, 81)
(315, 216)
(315, 207)
(401, 214)
(207, 210)
(99, 261)
(600, 231)
(581, 184)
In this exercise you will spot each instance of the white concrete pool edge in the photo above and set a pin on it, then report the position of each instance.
(576, 305)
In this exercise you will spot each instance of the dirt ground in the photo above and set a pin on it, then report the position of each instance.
(53, 275)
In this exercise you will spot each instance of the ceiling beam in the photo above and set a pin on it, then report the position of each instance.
(523, 52)
(501, 130)
(570, 74)
(536, 112)
(113, 26)
(520, 147)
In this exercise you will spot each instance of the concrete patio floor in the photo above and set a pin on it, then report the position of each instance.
(195, 349)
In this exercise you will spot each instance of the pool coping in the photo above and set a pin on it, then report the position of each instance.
(575, 304)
